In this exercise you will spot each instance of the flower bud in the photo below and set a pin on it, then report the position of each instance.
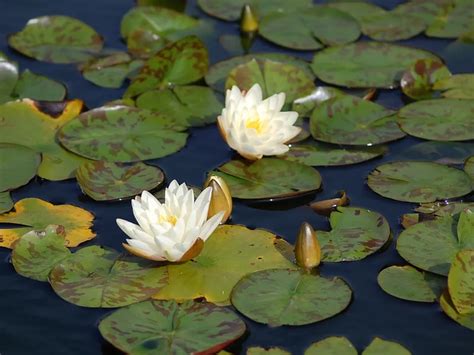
(221, 199)
(307, 248)
(248, 20)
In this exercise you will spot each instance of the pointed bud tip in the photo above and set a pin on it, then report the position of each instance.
(221, 199)
(248, 19)
(307, 248)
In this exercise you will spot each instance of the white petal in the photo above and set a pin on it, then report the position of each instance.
(210, 226)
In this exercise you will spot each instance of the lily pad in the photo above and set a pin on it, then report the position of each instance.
(322, 154)
(433, 245)
(439, 119)
(38, 87)
(190, 105)
(332, 346)
(57, 39)
(18, 165)
(353, 121)
(358, 9)
(36, 253)
(469, 167)
(99, 277)
(230, 253)
(105, 181)
(166, 327)
(418, 181)
(268, 178)
(36, 214)
(355, 234)
(438, 152)
(425, 10)
(366, 64)
(392, 27)
(409, 284)
(263, 351)
(461, 278)
(419, 79)
(380, 346)
(289, 297)
(8, 78)
(466, 320)
(179, 63)
(122, 134)
(6, 203)
(457, 20)
(459, 86)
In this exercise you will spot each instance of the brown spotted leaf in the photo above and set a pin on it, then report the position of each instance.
(419, 80)
(461, 280)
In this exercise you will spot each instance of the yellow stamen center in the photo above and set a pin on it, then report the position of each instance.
(256, 124)
(168, 218)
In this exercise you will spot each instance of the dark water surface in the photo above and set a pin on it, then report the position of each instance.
(33, 320)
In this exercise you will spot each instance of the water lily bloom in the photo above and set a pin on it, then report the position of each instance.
(256, 127)
(174, 230)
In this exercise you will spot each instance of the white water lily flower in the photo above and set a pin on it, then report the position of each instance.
(256, 127)
(174, 230)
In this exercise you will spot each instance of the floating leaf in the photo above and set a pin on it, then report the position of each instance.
(99, 277)
(36, 214)
(438, 152)
(8, 78)
(466, 320)
(366, 64)
(179, 63)
(122, 134)
(409, 284)
(166, 327)
(332, 346)
(38, 87)
(441, 119)
(353, 121)
(190, 105)
(358, 9)
(379, 346)
(18, 165)
(454, 22)
(289, 297)
(104, 181)
(57, 39)
(418, 181)
(461, 277)
(460, 86)
(418, 80)
(425, 10)
(36, 252)
(178, 5)
(229, 254)
(263, 351)
(392, 27)
(355, 234)
(268, 178)
(469, 167)
(6, 203)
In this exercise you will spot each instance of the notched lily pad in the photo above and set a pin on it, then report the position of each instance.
(419, 80)
(380, 346)
(461, 275)
(18, 165)
(38, 87)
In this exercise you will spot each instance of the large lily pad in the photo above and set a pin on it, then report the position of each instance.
(457, 20)
(229, 254)
(391, 26)
(332, 346)
(461, 278)
(122, 134)
(355, 234)
(419, 79)
(36, 214)
(268, 178)
(425, 10)
(466, 320)
(36, 253)
(289, 297)
(409, 284)
(366, 64)
(459, 86)
(353, 121)
(418, 181)
(380, 346)
(99, 277)
(441, 119)
(6, 203)
(18, 164)
(179, 63)
(166, 327)
(104, 181)
(57, 39)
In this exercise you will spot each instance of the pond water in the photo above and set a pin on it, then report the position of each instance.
(34, 320)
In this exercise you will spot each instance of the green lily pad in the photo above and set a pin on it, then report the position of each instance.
(122, 134)
(263, 351)
(230, 253)
(177, 5)
(466, 320)
(99, 277)
(455, 21)
(353, 121)
(219, 72)
(166, 327)
(439, 119)
(36, 252)
(6, 202)
(268, 178)
(433, 245)
(105, 181)
(418, 80)
(18, 165)
(38, 87)
(355, 234)
(366, 64)
(311, 28)
(469, 167)
(438, 152)
(191, 105)
(461, 277)
(425, 10)
(380, 346)
(289, 297)
(57, 39)
(179, 63)
(8, 78)
(273, 78)
(418, 181)
(392, 27)
(358, 9)
(332, 346)
(459, 86)
(409, 284)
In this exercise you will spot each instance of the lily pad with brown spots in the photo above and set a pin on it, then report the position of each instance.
(351, 120)
(6, 203)
(454, 21)
(57, 39)
(105, 181)
(440, 119)
(418, 181)
(425, 10)
(167, 327)
(332, 346)
(461, 279)
(18, 165)
(466, 320)
(419, 79)
(268, 178)
(122, 134)
(289, 297)
(392, 27)
(98, 277)
(380, 346)
(459, 86)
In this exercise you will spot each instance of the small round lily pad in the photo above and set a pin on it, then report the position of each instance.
(417, 82)
(18, 165)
